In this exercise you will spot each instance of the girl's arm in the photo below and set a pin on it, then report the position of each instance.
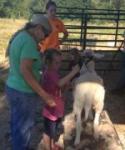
(65, 36)
(68, 77)
(26, 70)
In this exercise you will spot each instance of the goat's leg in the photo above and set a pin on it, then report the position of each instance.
(87, 110)
(98, 111)
(91, 114)
(96, 124)
(78, 128)
(96, 119)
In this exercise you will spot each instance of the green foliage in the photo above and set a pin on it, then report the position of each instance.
(14, 8)
(22, 8)
(38, 5)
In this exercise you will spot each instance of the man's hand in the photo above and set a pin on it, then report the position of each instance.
(50, 101)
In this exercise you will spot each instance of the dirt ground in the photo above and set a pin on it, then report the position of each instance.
(114, 104)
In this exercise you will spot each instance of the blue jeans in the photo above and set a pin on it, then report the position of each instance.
(22, 107)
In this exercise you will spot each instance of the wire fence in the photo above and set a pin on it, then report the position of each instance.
(96, 29)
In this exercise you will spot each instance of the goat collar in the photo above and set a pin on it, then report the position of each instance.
(84, 63)
(87, 60)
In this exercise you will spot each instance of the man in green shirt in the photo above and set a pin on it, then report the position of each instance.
(22, 86)
(23, 47)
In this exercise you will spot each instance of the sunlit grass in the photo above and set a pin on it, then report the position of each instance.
(7, 28)
(10, 26)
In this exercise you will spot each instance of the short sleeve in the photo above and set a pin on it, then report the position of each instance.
(29, 50)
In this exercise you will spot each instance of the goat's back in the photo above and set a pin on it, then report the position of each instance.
(88, 90)
(88, 77)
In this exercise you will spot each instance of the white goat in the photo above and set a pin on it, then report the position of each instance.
(88, 94)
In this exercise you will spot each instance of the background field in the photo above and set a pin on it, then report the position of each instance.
(10, 26)
(7, 28)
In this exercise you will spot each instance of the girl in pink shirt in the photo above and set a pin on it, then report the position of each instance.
(52, 83)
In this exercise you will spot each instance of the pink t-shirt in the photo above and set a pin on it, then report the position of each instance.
(50, 80)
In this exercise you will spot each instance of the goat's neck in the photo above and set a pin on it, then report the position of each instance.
(88, 68)
(87, 71)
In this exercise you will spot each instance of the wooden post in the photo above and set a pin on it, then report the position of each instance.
(82, 22)
(117, 26)
(85, 31)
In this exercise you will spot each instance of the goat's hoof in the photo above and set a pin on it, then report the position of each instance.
(76, 142)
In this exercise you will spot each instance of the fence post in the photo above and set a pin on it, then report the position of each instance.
(85, 31)
(117, 26)
(82, 22)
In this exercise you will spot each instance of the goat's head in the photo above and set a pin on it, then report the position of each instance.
(89, 61)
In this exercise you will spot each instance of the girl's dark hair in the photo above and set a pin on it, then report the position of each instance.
(75, 52)
(49, 54)
(49, 4)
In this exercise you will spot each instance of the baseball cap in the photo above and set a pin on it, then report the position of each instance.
(39, 19)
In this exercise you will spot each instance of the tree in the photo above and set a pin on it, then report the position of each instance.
(22, 8)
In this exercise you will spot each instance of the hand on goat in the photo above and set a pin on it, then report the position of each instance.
(76, 69)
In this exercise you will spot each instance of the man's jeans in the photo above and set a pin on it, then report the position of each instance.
(22, 107)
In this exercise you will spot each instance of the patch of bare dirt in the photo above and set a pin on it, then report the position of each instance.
(114, 104)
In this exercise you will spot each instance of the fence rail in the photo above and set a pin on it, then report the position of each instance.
(95, 28)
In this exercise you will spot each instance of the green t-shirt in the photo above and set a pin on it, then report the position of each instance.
(23, 47)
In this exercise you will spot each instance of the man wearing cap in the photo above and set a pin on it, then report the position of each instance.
(22, 85)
